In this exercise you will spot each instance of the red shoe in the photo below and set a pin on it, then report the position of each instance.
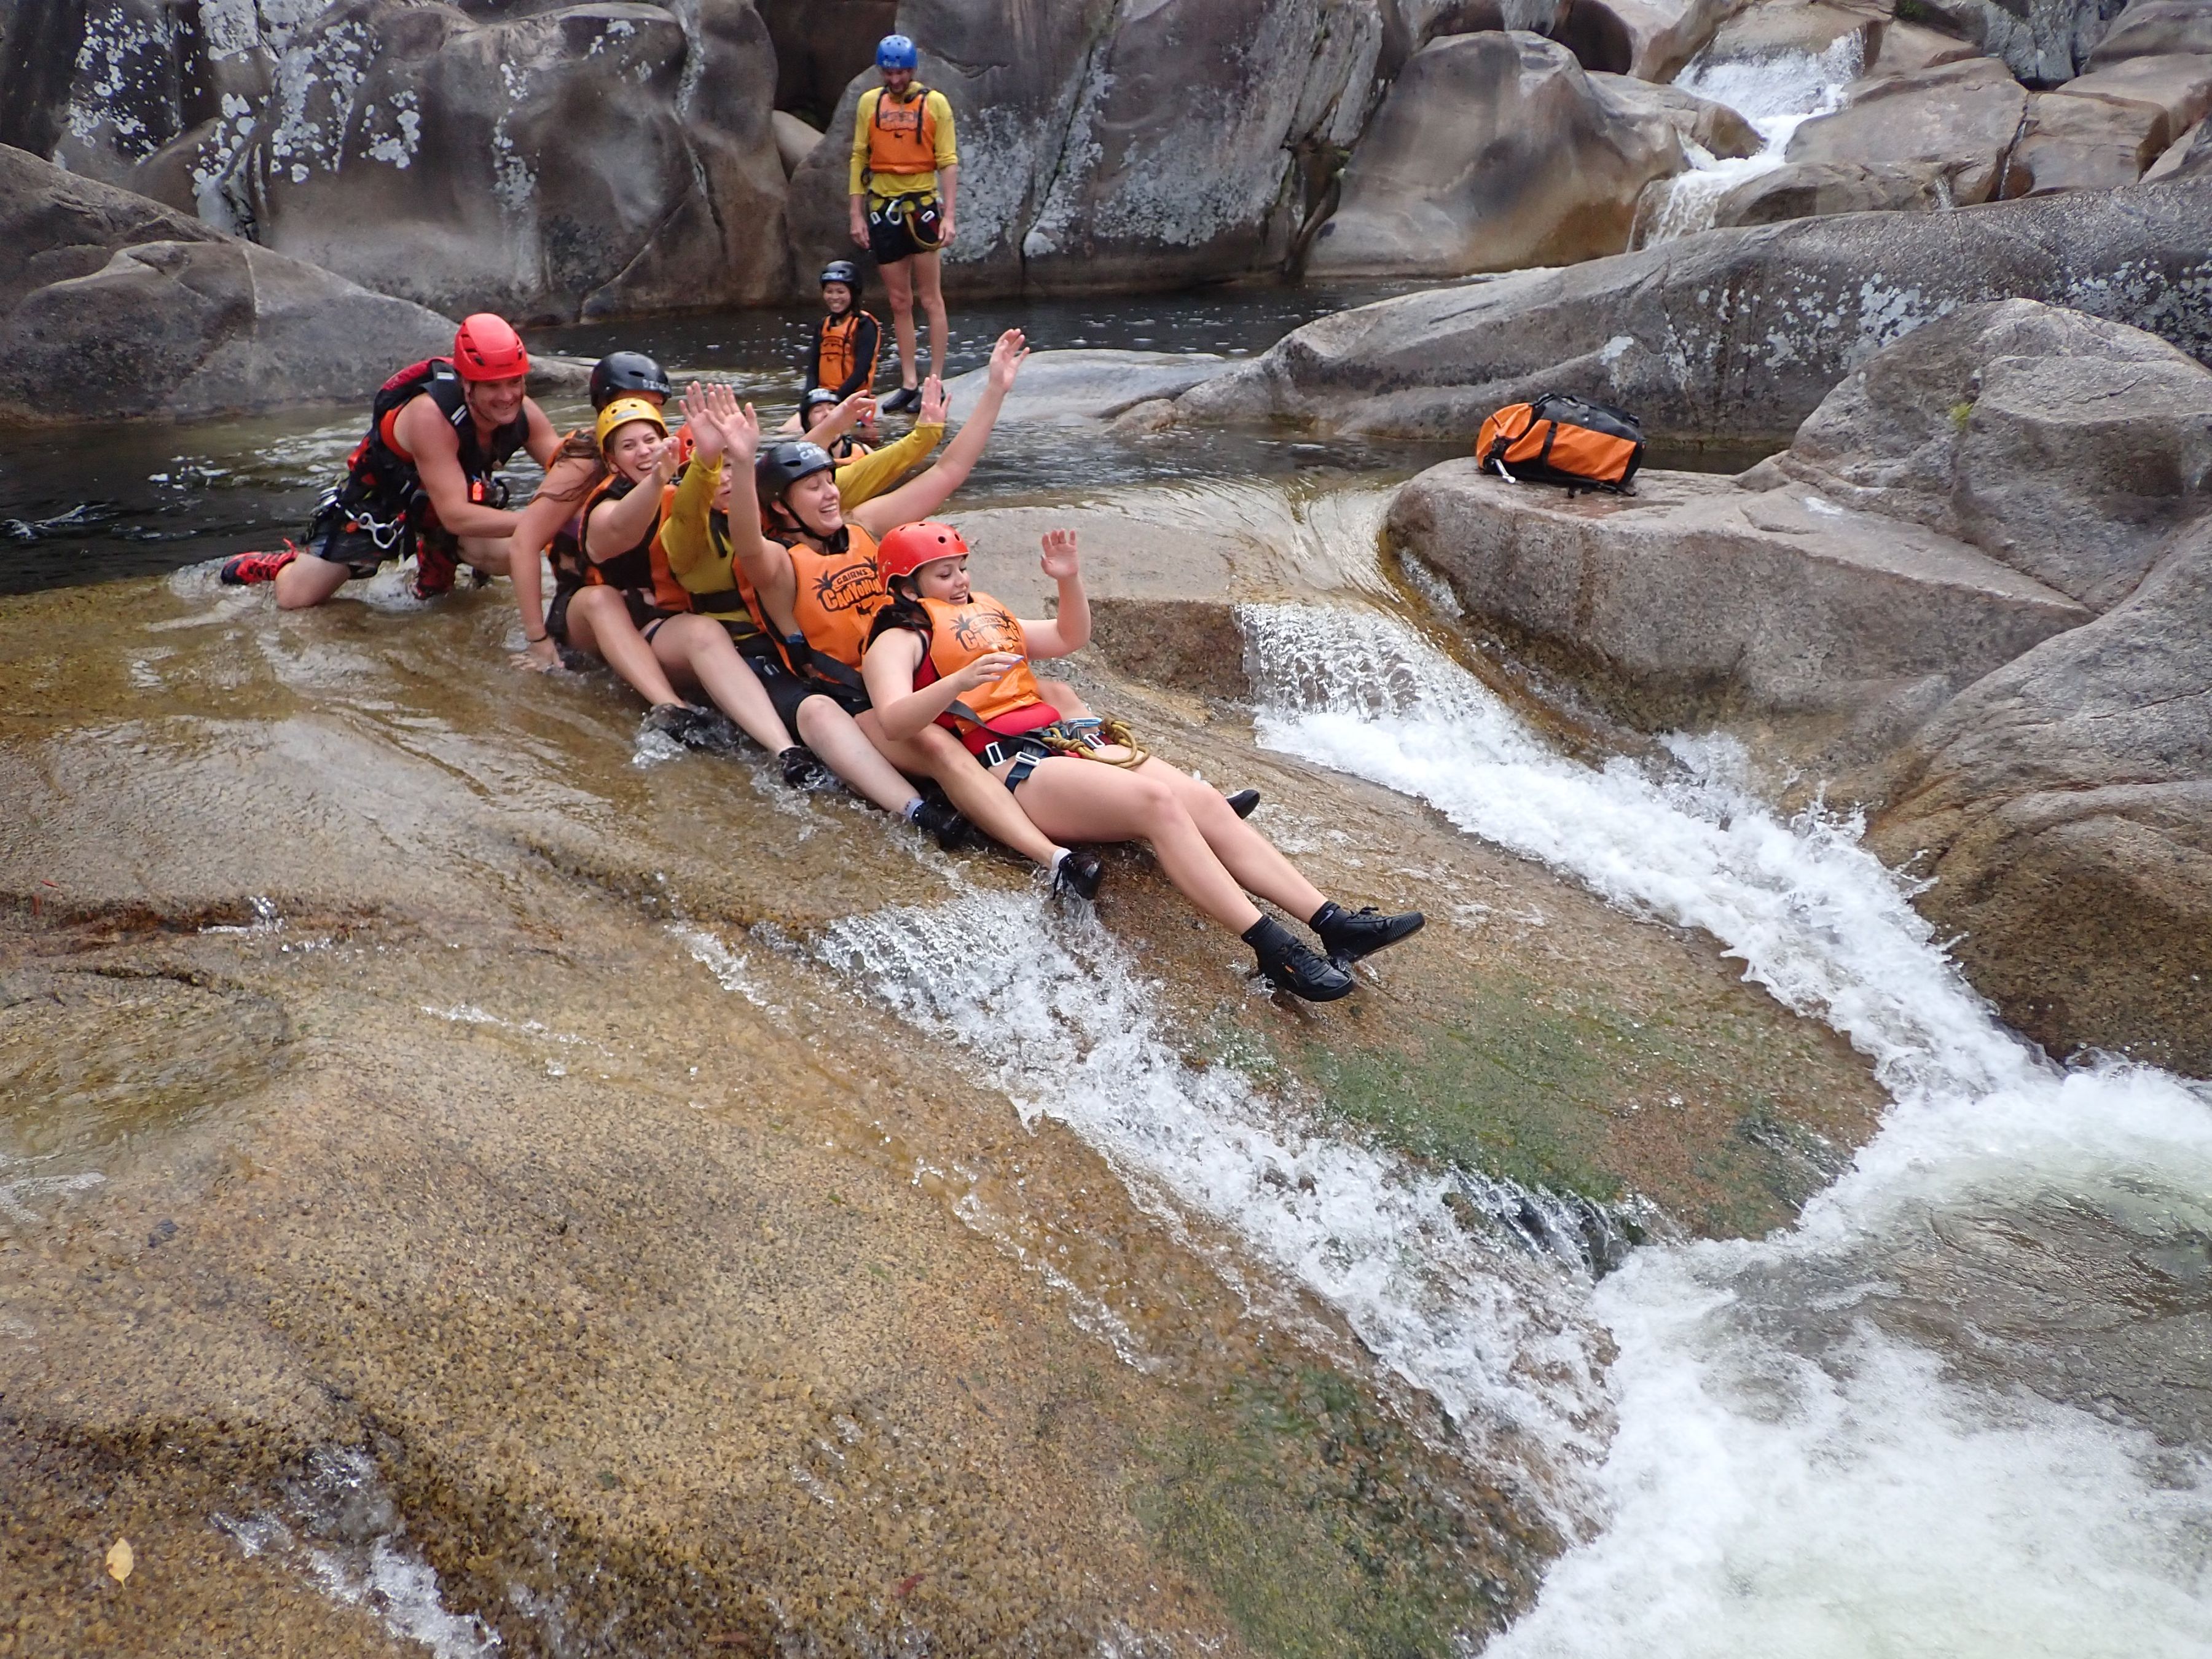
(248, 568)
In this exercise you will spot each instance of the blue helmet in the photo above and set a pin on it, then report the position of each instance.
(896, 52)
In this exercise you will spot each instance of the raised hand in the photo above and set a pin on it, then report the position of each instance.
(667, 453)
(699, 420)
(1058, 561)
(741, 430)
(1007, 358)
(933, 402)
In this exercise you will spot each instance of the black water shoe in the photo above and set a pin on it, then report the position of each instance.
(1244, 802)
(679, 722)
(945, 821)
(1080, 873)
(803, 767)
(906, 399)
(1348, 935)
(1289, 966)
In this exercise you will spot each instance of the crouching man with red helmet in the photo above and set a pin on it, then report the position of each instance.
(423, 482)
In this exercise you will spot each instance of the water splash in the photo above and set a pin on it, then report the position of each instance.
(1787, 1478)
(1056, 1015)
(339, 1528)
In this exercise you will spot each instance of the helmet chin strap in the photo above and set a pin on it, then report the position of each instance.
(837, 542)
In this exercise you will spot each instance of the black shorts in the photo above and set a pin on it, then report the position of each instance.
(362, 551)
(903, 227)
(787, 691)
(643, 612)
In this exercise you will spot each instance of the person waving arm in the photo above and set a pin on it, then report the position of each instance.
(922, 496)
(1070, 631)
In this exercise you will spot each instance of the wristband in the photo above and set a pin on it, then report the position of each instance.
(536, 639)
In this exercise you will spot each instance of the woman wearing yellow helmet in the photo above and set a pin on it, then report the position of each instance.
(621, 593)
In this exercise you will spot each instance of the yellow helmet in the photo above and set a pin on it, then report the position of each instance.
(623, 411)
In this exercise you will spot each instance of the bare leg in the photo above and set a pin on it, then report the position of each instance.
(932, 293)
(845, 748)
(599, 623)
(697, 651)
(308, 581)
(982, 800)
(1084, 800)
(1245, 853)
(898, 289)
(491, 555)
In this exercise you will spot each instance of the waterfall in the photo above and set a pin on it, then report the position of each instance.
(1777, 95)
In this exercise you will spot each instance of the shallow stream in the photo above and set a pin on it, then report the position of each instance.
(1954, 1403)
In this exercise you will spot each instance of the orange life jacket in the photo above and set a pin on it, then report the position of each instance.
(838, 595)
(958, 634)
(835, 357)
(643, 568)
(902, 136)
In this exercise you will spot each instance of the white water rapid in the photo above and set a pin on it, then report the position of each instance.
(1777, 95)
(1789, 1479)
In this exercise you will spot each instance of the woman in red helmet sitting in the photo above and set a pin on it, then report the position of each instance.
(941, 653)
(422, 481)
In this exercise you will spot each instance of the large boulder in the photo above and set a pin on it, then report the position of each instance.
(2155, 28)
(1494, 152)
(2041, 41)
(2062, 445)
(1806, 190)
(1713, 128)
(1731, 336)
(1078, 385)
(2064, 806)
(820, 45)
(1961, 117)
(1606, 36)
(1694, 599)
(2082, 144)
(1121, 148)
(112, 306)
(2178, 86)
(549, 162)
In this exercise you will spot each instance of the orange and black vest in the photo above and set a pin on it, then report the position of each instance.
(837, 598)
(642, 569)
(958, 634)
(846, 349)
(902, 136)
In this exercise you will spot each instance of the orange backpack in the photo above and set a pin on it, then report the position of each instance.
(1564, 441)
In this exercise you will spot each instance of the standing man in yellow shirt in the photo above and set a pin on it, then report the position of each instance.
(905, 178)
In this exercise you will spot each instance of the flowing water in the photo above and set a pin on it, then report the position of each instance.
(1776, 93)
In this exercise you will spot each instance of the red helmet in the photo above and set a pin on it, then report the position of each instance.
(911, 546)
(486, 348)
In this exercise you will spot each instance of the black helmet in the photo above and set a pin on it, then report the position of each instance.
(841, 270)
(627, 374)
(783, 464)
(821, 396)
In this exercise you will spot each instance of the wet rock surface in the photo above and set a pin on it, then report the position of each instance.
(604, 1246)
(2064, 806)
(1734, 336)
(114, 306)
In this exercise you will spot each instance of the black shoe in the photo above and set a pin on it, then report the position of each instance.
(1289, 966)
(906, 398)
(1244, 802)
(679, 722)
(1079, 873)
(803, 767)
(942, 819)
(1348, 935)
